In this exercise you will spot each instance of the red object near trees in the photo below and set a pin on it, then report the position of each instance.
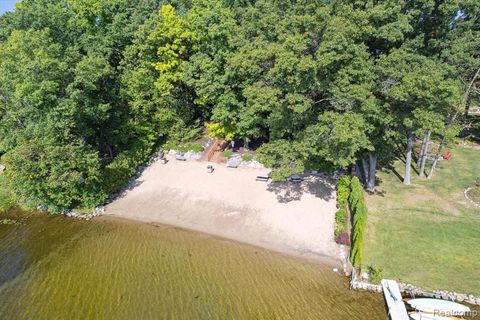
(447, 155)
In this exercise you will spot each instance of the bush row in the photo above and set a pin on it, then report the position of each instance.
(341, 216)
(359, 212)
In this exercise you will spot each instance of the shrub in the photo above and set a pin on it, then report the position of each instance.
(341, 216)
(343, 238)
(227, 153)
(123, 167)
(191, 146)
(343, 191)
(375, 274)
(194, 147)
(247, 157)
(356, 192)
(170, 145)
(359, 226)
(7, 197)
(341, 220)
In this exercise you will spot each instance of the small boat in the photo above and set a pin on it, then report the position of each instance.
(437, 306)
(429, 316)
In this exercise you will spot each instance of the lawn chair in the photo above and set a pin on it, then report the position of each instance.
(295, 178)
(262, 177)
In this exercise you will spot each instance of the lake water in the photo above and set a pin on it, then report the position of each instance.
(58, 268)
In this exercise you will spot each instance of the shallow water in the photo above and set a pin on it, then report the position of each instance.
(60, 268)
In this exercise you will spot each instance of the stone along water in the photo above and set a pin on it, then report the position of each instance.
(59, 268)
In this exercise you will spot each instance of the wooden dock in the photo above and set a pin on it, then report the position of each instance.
(393, 298)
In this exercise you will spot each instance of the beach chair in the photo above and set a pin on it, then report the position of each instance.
(262, 177)
(295, 178)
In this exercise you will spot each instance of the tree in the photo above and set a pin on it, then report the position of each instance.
(285, 157)
(412, 86)
(55, 176)
(338, 138)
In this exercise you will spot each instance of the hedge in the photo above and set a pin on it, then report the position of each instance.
(341, 216)
(360, 212)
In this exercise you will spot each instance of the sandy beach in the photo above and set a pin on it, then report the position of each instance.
(296, 219)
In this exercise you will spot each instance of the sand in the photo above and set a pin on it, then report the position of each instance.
(296, 219)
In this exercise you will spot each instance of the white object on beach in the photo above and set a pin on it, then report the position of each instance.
(436, 305)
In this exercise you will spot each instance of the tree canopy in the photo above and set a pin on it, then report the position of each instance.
(90, 88)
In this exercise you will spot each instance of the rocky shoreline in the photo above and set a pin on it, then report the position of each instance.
(409, 289)
(416, 291)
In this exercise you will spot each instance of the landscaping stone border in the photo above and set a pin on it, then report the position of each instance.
(416, 291)
(465, 193)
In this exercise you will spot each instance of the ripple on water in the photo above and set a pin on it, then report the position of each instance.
(115, 269)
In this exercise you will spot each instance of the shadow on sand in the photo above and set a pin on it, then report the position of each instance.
(320, 187)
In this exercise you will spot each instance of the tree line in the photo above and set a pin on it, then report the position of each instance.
(90, 88)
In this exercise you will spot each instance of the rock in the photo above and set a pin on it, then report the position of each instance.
(335, 269)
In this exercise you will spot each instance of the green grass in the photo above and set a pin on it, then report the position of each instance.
(427, 234)
(247, 157)
(185, 147)
(227, 153)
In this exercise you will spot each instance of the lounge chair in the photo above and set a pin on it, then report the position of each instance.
(295, 178)
(262, 177)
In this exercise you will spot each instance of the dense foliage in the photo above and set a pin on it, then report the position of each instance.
(89, 88)
(341, 216)
(359, 221)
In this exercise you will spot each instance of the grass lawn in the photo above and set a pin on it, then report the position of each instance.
(427, 234)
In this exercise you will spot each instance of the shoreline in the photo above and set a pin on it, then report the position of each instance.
(292, 219)
(326, 261)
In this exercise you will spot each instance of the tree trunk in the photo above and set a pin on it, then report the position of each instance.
(365, 171)
(422, 150)
(423, 156)
(452, 120)
(408, 160)
(372, 159)
(467, 93)
(110, 151)
(437, 156)
(245, 143)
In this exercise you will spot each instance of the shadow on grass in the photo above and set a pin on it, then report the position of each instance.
(320, 187)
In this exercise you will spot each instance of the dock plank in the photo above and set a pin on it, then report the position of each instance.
(393, 297)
